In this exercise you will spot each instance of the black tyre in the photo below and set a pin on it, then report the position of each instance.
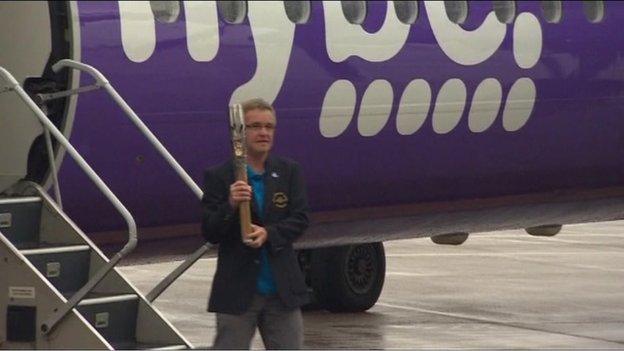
(348, 278)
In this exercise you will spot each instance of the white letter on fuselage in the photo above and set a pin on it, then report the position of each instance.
(273, 35)
(462, 46)
(138, 29)
(202, 29)
(344, 39)
(138, 32)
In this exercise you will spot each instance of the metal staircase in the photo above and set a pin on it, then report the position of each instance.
(45, 260)
(57, 289)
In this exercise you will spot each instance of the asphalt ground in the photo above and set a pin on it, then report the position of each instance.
(499, 290)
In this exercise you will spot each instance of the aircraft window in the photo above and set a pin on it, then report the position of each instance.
(552, 11)
(406, 11)
(232, 12)
(594, 10)
(457, 11)
(165, 11)
(297, 11)
(505, 11)
(354, 11)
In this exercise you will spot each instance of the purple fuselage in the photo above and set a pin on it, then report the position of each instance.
(573, 139)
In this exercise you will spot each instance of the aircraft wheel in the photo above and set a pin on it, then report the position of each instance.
(544, 230)
(348, 278)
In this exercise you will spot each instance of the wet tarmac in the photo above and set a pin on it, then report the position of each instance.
(501, 290)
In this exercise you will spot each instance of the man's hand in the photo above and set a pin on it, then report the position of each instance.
(239, 192)
(257, 238)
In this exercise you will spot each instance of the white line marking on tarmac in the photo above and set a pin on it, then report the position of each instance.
(541, 240)
(527, 236)
(505, 254)
(410, 274)
(558, 240)
(566, 264)
(448, 314)
(520, 241)
(508, 324)
(599, 268)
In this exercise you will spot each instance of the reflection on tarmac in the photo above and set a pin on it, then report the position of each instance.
(498, 290)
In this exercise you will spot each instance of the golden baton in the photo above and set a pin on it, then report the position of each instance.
(237, 128)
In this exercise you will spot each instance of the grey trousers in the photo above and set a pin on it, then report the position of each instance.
(280, 327)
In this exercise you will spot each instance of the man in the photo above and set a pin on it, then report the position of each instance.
(257, 283)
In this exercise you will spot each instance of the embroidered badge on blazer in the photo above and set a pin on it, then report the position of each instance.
(280, 200)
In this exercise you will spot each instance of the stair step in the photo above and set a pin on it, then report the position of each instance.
(66, 267)
(108, 299)
(55, 250)
(133, 345)
(90, 295)
(20, 219)
(114, 317)
(27, 245)
(42, 245)
(19, 200)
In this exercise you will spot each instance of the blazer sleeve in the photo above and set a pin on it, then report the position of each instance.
(284, 232)
(219, 220)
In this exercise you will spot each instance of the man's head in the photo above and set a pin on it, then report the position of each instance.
(259, 125)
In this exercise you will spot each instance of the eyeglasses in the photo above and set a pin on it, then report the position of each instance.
(258, 126)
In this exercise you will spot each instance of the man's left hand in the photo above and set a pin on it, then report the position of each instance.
(258, 237)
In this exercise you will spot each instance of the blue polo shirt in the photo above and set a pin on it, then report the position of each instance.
(266, 283)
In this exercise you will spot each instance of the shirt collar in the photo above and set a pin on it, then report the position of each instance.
(251, 174)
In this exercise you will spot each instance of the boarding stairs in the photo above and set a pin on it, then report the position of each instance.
(46, 260)
(57, 289)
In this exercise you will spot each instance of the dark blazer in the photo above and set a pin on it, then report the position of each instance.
(285, 219)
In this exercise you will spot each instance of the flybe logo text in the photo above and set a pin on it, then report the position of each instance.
(273, 35)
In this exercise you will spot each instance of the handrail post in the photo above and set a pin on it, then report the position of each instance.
(171, 277)
(57, 189)
(51, 322)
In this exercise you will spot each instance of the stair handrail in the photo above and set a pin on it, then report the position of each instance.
(102, 81)
(57, 315)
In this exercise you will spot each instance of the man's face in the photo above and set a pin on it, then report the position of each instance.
(260, 128)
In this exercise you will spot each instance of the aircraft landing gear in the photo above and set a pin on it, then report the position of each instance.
(346, 278)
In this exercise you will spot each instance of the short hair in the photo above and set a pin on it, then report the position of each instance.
(257, 104)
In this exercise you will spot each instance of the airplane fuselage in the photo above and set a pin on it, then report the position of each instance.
(388, 120)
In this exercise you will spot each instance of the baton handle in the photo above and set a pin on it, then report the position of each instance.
(237, 127)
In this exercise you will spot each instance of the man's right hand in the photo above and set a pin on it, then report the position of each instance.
(239, 192)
